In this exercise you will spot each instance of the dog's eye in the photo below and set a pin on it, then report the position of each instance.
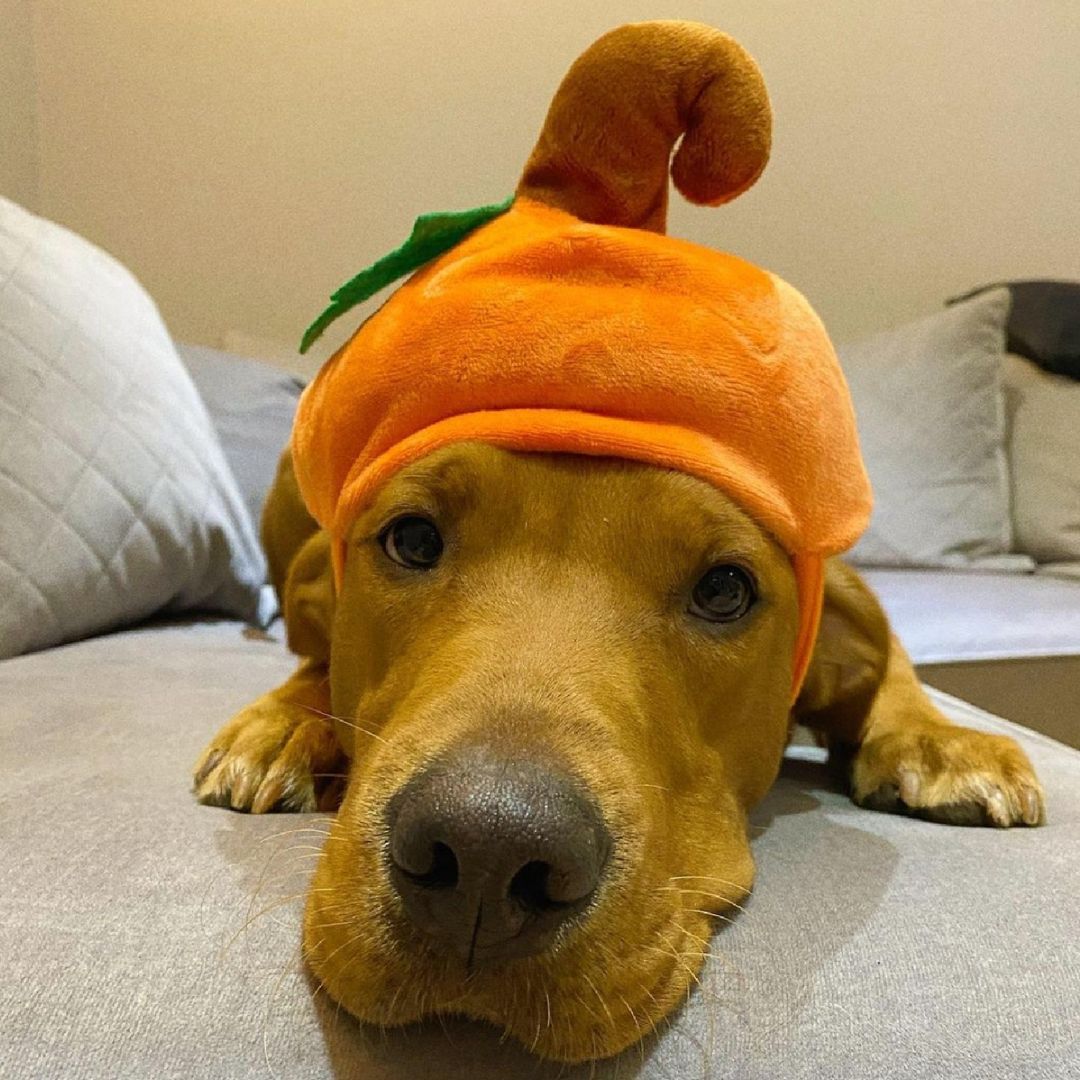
(724, 594)
(413, 542)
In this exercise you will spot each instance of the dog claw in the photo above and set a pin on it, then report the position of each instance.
(998, 809)
(1032, 811)
(207, 765)
(268, 795)
(909, 787)
(242, 791)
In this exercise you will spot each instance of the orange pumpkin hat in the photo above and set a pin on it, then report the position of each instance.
(572, 323)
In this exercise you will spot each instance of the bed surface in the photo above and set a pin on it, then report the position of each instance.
(142, 935)
(949, 616)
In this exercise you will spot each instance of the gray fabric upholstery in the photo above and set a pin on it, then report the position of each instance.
(139, 935)
(1044, 458)
(252, 405)
(929, 403)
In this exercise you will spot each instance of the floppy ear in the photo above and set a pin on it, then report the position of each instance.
(298, 555)
(307, 600)
(286, 524)
(849, 660)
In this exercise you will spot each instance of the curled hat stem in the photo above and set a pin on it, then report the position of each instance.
(604, 150)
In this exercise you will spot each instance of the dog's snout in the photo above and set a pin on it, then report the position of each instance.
(491, 854)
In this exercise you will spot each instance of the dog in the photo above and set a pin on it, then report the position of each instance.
(557, 683)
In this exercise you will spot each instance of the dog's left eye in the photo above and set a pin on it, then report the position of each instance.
(724, 594)
(413, 542)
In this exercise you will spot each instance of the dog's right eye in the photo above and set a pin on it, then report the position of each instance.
(413, 542)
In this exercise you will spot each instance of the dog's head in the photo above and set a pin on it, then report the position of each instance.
(563, 681)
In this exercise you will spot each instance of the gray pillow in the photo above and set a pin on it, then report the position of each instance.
(115, 499)
(929, 404)
(1044, 323)
(252, 405)
(1044, 456)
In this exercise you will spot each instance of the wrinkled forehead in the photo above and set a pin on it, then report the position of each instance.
(555, 498)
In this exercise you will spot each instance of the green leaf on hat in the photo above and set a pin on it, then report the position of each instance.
(431, 235)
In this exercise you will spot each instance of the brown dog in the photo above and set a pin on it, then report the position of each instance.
(559, 685)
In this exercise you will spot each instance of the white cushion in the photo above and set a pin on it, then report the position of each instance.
(1044, 456)
(929, 404)
(115, 499)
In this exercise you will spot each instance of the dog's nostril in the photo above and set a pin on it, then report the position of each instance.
(442, 873)
(529, 887)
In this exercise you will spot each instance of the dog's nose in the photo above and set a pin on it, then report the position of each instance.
(491, 854)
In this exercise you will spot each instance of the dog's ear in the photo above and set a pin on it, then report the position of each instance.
(286, 524)
(298, 556)
(849, 661)
(307, 600)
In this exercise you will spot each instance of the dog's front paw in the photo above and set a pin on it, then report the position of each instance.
(272, 755)
(948, 774)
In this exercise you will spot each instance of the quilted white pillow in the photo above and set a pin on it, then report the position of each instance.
(115, 498)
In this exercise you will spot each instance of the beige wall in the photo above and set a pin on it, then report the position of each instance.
(246, 156)
(18, 105)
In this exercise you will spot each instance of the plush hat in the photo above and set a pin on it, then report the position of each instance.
(569, 322)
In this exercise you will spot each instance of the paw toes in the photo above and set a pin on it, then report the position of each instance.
(998, 810)
(971, 804)
(285, 785)
(269, 767)
(216, 787)
(207, 763)
(294, 779)
(244, 785)
(210, 791)
(950, 775)
(269, 794)
(232, 782)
